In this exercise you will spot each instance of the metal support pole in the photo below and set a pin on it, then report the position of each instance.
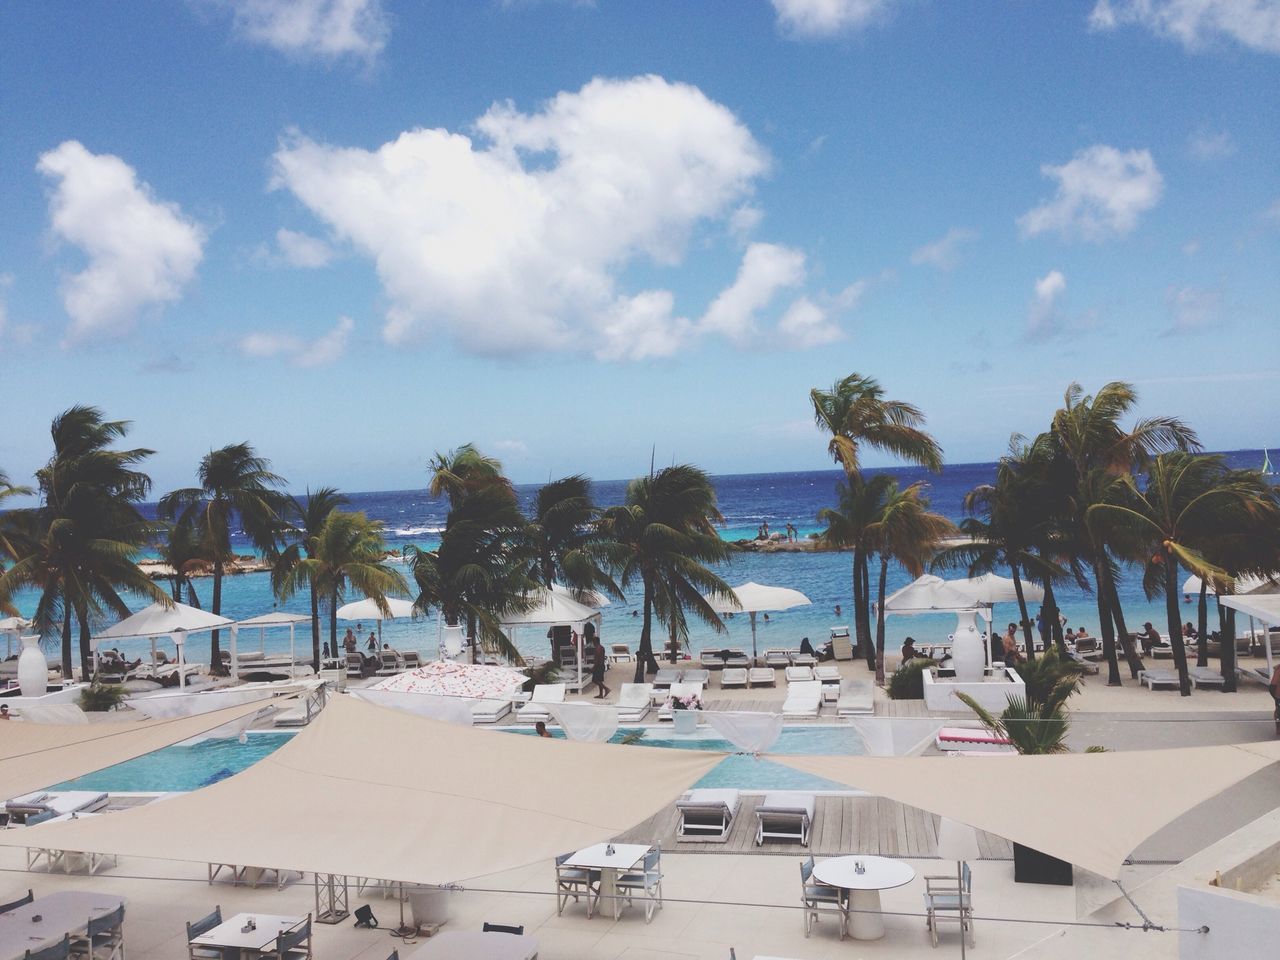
(331, 898)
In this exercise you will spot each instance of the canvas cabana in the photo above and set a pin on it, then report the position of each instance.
(267, 621)
(176, 621)
(557, 608)
(1258, 606)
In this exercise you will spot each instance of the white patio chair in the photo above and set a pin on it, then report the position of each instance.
(818, 898)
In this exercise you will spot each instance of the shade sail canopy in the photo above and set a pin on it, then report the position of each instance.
(367, 609)
(443, 678)
(552, 607)
(989, 588)
(1243, 585)
(468, 802)
(754, 597)
(930, 594)
(163, 705)
(1260, 606)
(34, 756)
(276, 618)
(157, 620)
(1040, 797)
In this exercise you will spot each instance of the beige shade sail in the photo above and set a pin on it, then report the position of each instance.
(1043, 802)
(447, 803)
(36, 755)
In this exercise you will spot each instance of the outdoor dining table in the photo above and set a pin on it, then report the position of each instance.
(62, 913)
(475, 945)
(623, 858)
(231, 934)
(879, 873)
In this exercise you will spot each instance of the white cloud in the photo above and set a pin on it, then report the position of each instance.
(812, 19)
(1206, 144)
(1044, 319)
(516, 241)
(1194, 309)
(303, 250)
(142, 251)
(328, 29)
(766, 269)
(326, 349)
(511, 447)
(805, 325)
(1196, 23)
(744, 220)
(1191, 248)
(1101, 194)
(944, 253)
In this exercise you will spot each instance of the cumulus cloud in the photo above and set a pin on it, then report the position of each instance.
(944, 253)
(515, 240)
(806, 324)
(511, 447)
(324, 350)
(1044, 319)
(326, 29)
(1101, 194)
(814, 19)
(1194, 309)
(766, 269)
(744, 220)
(142, 251)
(303, 250)
(1196, 23)
(1206, 144)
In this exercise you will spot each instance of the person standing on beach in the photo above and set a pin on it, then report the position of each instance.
(598, 667)
(349, 641)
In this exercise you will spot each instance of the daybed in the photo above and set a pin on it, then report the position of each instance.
(706, 816)
(785, 816)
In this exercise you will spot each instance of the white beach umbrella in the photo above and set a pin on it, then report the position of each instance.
(989, 589)
(1244, 586)
(929, 594)
(177, 620)
(593, 599)
(367, 609)
(756, 598)
(12, 627)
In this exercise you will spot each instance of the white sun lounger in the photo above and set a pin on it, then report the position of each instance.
(804, 699)
(733, 677)
(799, 674)
(679, 690)
(60, 803)
(489, 711)
(706, 816)
(1158, 678)
(633, 702)
(536, 708)
(799, 659)
(621, 653)
(696, 676)
(412, 661)
(785, 816)
(827, 673)
(665, 677)
(857, 698)
(1206, 677)
(777, 658)
(762, 677)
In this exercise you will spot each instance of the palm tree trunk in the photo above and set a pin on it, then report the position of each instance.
(176, 584)
(315, 631)
(1202, 643)
(884, 572)
(86, 657)
(1022, 608)
(1174, 616)
(861, 605)
(1105, 623)
(1122, 631)
(215, 652)
(1228, 635)
(1049, 615)
(333, 622)
(645, 663)
(66, 640)
(471, 636)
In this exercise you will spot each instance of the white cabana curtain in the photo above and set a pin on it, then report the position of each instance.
(455, 710)
(585, 722)
(54, 713)
(749, 731)
(896, 736)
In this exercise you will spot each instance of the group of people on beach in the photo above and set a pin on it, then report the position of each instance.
(370, 657)
(792, 534)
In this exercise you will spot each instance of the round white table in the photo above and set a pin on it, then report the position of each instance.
(879, 873)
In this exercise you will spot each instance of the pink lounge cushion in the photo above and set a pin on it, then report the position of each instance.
(963, 735)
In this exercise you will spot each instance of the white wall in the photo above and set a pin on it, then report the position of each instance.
(1241, 925)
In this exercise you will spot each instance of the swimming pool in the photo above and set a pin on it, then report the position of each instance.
(191, 766)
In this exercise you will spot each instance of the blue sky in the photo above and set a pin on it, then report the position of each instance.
(357, 231)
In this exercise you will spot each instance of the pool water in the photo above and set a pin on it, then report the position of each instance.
(196, 765)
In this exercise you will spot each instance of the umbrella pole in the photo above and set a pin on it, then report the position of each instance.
(754, 654)
(292, 658)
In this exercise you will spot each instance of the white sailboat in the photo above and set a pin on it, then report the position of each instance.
(1267, 469)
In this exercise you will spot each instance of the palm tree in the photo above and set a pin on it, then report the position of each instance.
(461, 472)
(564, 538)
(1093, 452)
(480, 570)
(1186, 500)
(347, 551)
(234, 482)
(907, 532)
(10, 531)
(307, 518)
(854, 412)
(183, 553)
(861, 501)
(663, 536)
(79, 546)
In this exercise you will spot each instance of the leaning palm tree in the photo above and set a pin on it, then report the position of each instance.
(234, 483)
(461, 472)
(854, 413)
(480, 571)
(564, 538)
(1094, 452)
(306, 517)
(1186, 499)
(906, 532)
(849, 527)
(663, 537)
(347, 552)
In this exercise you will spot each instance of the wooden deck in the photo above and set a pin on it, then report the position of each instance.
(842, 825)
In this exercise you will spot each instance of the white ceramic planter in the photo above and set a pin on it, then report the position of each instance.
(33, 668)
(685, 721)
(992, 694)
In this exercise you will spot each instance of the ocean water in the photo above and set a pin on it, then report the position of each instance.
(746, 500)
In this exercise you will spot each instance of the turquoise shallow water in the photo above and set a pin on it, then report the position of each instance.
(189, 767)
